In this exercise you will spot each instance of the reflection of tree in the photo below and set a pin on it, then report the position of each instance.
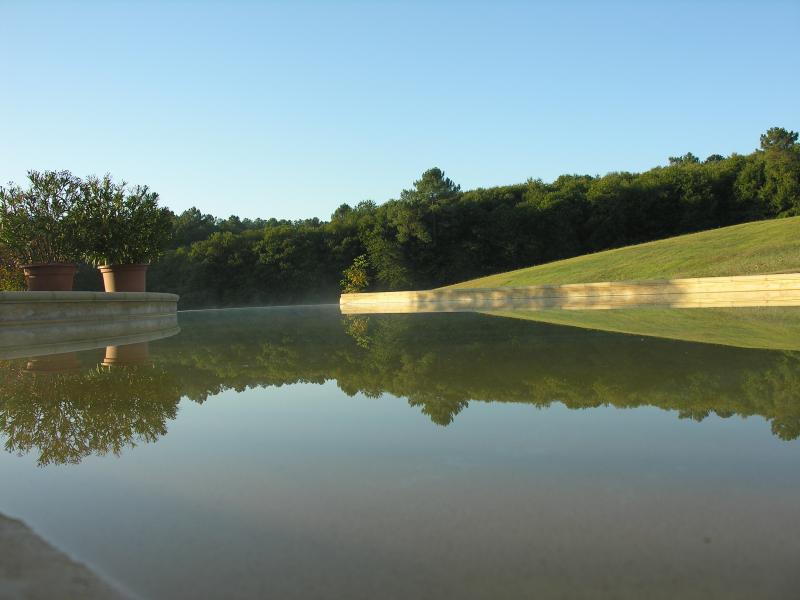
(68, 416)
(356, 327)
(442, 411)
(780, 388)
(441, 362)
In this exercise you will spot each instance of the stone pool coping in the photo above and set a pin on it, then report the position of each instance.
(781, 289)
(29, 319)
(32, 569)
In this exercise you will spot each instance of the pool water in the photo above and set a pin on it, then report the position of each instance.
(299, 453)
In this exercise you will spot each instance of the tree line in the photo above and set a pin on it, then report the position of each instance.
(435, 233)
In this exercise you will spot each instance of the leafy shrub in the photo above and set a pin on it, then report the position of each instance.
(356, 278)
(11, 277)
(123, 226)
(41, 224)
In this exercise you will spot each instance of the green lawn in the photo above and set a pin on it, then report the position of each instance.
(748, 249)
(771, 327)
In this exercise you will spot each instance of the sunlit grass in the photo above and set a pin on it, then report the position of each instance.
(749, 249)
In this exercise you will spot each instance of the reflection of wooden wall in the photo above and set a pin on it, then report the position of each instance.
(709, 292)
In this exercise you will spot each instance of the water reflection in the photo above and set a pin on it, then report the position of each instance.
(65, 411)
(127, 355)
(68, 406)
(442, 362)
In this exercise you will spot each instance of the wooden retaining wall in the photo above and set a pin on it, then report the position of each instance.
(709, 292)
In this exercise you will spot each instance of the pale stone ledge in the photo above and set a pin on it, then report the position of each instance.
(710, 292)
(31, 569)
(31, 319)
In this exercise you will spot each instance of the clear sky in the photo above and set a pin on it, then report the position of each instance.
(289, 109)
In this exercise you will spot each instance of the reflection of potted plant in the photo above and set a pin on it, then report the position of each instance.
(69, 416)
(127, 355)
(126, 231)
(66, 362)
(40, 229)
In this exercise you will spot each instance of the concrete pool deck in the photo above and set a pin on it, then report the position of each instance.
(709, 292)
(32, 569)
(39, 319)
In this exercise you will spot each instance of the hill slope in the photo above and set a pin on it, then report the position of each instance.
(748, 249)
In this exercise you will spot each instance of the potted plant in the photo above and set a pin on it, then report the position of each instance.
(40, 229)
(126, 231)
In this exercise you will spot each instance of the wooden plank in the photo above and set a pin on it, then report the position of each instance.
(750, 290)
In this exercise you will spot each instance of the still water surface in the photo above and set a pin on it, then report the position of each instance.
(297, 453)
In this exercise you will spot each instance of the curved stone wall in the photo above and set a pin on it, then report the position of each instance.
(31, 320)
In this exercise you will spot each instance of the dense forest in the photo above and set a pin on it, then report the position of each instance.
(435, 233)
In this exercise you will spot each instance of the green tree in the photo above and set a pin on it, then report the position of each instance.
(356, 277)
(192, 226)
(781, 189)
(432, 188)
(779, 139)
(686, 159)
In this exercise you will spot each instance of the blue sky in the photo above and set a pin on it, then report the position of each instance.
(290, 109)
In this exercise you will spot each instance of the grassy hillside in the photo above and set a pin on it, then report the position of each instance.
(748, 249)
(771, 327)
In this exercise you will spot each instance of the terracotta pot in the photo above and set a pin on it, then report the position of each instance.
(124, 278)
(128, 354)
(50, 277)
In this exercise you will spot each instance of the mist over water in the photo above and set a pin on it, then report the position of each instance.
(296, 452)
